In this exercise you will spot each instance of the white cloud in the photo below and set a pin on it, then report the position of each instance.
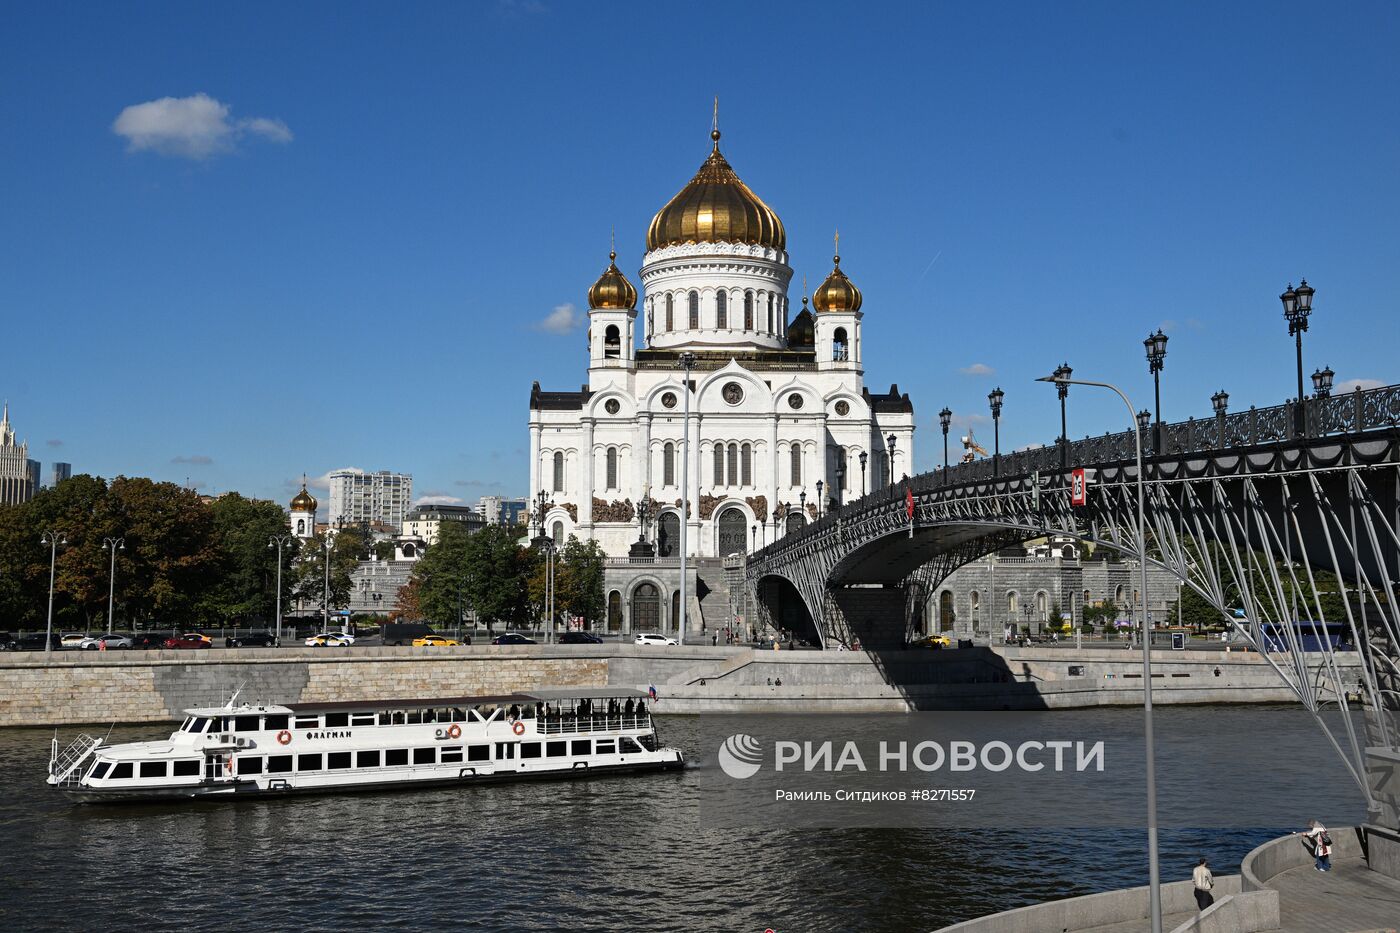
(1351, 385)
(54, 442)
(439, 500)
(194, 460)
(967, 421)
(194, 127)
(978, 369)
(563, 319)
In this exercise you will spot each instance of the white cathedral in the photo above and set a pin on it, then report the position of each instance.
(782, 426)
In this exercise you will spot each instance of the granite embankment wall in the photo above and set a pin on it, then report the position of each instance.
(145, 686)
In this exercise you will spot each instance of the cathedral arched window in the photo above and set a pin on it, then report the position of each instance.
(558, 471)
(746, 477)
(721, 310)
(668, 464)
(733, 464)
(748, 310)
(719, 464)
(612, 468)
(670, 313)
(771, 328)
(612, 342)
(694, 310)
(558, 534)
(840, 347)
(795, 455)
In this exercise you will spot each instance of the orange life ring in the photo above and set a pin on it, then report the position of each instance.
(284, 738)
(454, 731)
(518, 728)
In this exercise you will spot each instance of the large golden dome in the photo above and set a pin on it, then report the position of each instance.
(303, 501)
(612, 290)
(837, 293)
(716, 207)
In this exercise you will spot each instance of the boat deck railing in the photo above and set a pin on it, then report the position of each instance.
(558, 725)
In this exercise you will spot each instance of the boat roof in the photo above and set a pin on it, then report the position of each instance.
(538, 695)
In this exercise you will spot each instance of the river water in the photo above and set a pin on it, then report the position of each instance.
(620, 853)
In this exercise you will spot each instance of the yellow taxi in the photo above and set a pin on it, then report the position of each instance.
(435, 641)
(932, 641)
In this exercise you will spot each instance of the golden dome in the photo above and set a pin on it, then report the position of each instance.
(837, 293)
(612, 290)
(303, 501)
(716, 207)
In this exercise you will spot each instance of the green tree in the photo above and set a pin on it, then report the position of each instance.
(344, 557)
(245, 589)
(442, 573)
(498, 569)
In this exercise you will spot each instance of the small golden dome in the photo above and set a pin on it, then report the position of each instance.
(716, 207)
(837, 293)
(303, 502)
(612, 290)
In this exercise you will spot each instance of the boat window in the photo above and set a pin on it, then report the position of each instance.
(101, 770)
(581, 746)
(276, 764)
(153, 769)
(367, 759)
(479, 753)
(275, 723)
(415, 716)
(451, 753)
(245, 724)
(392, 718)
(529, 749)
(196, 724)
(504, 751)
(361, 719)
(121, 771)
(185, 726)
(250, 765)
(605, 747)
(556, 749)
(186, 769)
(446, 715)
(395, 757)
(308, 722)
(424, 756)
(338, 760)
(308, 762)
(337, 720)
(628, 746)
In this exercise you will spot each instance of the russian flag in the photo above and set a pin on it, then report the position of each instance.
(651, 693)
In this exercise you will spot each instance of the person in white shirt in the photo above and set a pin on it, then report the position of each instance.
(1204, 881)
(1322, 845)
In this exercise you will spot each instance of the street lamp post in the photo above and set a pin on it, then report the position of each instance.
(326, 591)
(279, 542)
(802, 505)
(546, 544)
(995, 397)
(1061, 378)
(1297, 305)
(114, 545)
(53, 539)
(687, 360)
(1322, 382)
(889, 443)
(863, 457)
(819, 498)
(1062, 375)
(1156, 346)
(840, 480)
(945, 420)
(1220, 401)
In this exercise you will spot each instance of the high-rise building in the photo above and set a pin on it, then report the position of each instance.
(60, 472)
(35, 468)
(498, 510)
(358, 497)
(425, 521)
(16, 480)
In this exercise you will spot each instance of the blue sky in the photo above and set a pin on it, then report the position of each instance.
(342, 254)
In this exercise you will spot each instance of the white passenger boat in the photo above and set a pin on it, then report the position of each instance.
(237, 751)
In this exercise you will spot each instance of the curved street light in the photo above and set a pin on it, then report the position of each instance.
(279, 542)
(114, 545)
(53, 539)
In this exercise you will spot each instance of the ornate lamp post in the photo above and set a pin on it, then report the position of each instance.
(279, 542)
(889, 442)
(863, 457)
(114, 545)
(544, 543)
(687, 361)
(1156, 345)
(329, 546)
(945, 419)
(1297, 305)
(840, 480)
(1322, 382)
(1062, 374)
(995, 397)
(53, 539)
(802, 505)
(1220, 401)
(1144, 420)
(820, 485)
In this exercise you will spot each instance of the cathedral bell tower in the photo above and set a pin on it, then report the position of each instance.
(612, 317)
(837, 324)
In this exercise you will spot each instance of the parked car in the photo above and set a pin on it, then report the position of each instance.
(579, 638)
(403, 633)
(149, 640)
(343, 636)
(648, 638)
(932, 641)
(110, 640)
(327, 640)
(34, 641)
(435, 641)
(513, 638)
(188, 640)
(8, 642)
(72, 639)
(252, 640)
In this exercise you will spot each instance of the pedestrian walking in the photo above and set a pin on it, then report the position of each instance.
(1204, 881)
(1321, 845)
